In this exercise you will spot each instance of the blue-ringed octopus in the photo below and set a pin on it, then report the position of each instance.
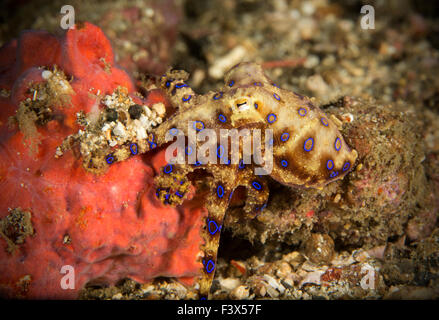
(308, 149)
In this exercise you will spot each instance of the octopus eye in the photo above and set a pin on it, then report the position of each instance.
(242, 105)
(134, 149)
(308, 144)
(337, 144)
(271, 118)
(256, 105)
(330, 164)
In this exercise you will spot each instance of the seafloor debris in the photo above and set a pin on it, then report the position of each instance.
(115, 133)
(15, 227)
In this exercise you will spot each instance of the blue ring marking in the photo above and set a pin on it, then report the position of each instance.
(305, 143)
(109, 158)
(207, 266)
(181, 85)
(197, 163)
(258, 84)
(217, 95)
(181, 181)
(152, 144)
(346, 166)
(195, 125)
(330, 164)
(275, 85)
(324, 121)
(228, 162)
(134, 149)
(217, 228)
(220, 155)
(168, 84)
(285, 136)
(186, 99)
(256, 185)
(302, 112)
(222, 118)
(168, 168)
(157, 192)
(284, 163)
(220, 190)
(186, 150)
(241, 164)
(333, 174)
(271, 115)
(275, 95)
(178, 194)
(231, 194)
(337, 141)
(173, 131)
(231, 83)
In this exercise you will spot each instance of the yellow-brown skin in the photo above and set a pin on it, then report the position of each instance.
(313, 155)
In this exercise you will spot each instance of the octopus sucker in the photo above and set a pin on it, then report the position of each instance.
(305, 145)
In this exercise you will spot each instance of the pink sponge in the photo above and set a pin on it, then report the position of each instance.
(107, 227)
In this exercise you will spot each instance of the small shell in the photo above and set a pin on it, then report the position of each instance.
(241, 292)
(159, 108)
